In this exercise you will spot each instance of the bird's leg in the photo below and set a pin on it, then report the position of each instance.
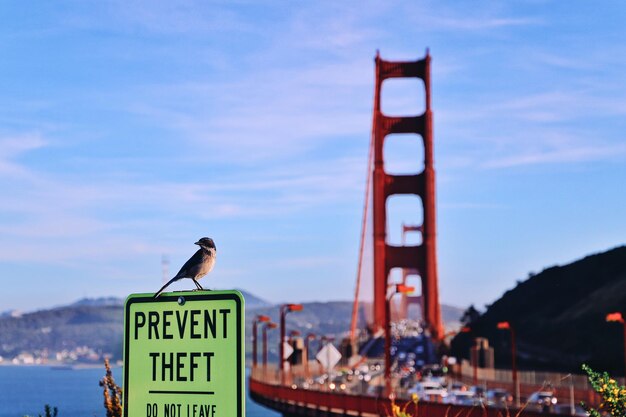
(197, 284)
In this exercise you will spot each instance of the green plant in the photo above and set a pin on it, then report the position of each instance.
(613, 395)
(49, 411)
(112, 393)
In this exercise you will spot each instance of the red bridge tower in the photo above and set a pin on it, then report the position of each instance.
(423, 257)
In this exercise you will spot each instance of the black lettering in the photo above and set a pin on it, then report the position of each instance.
(209, 322)
(193, 365)
(181, 325)
(139, 323)
(172, 410)
(180, 365)
(154, 356)
(208, 356)
(213, 410)
(153, 322)
(166, 324)
(225, 312)
(169, 366)
(194, 322)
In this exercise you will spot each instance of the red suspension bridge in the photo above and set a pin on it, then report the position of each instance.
(309, 389)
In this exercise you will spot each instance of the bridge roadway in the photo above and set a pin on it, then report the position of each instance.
(292, 402)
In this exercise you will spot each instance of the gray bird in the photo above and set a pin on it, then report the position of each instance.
(197, 266)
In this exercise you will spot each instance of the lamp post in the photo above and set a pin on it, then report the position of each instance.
(284, 309)
(268, 325)
(617, 317)
(258, 319)
(473, 357)
(399, 289)
(572, 406)
(307, 339)
(505, 325)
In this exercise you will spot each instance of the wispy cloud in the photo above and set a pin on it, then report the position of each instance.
(565, 154)
(13, 146)
(482, 23)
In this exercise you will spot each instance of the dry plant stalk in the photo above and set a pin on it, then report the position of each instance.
(112, 393)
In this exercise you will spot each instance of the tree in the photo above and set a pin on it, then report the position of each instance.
(470, 315)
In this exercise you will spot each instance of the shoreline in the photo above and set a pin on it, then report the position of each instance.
(61, 364)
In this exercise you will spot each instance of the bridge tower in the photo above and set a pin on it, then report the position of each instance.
(422, 257)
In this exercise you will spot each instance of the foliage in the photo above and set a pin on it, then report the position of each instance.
(112, 393)
(552, 330)
(613, 394)
(470, 315)
(49, 411)
(397, 411)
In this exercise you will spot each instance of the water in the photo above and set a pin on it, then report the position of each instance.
(24, 390)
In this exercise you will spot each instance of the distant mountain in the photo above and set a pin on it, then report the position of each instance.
(91, 328)
(325, 319)
(252, 301)
(451, 316)
(559, 317)
(99, 302)
(75, 330)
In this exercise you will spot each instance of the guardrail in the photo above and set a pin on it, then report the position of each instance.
(530, 381)
(295, 401)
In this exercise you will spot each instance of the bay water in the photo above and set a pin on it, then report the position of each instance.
(24, 390)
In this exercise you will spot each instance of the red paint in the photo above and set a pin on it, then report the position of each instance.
(303, 402)
(422, 258)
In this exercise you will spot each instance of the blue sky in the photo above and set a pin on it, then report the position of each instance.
(129, 129)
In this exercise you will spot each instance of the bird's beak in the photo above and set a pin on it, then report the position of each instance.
(197, 243)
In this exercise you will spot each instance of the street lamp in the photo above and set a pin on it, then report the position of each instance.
(617, 317)
(399, 289)
(284, 309)
(473, 355)
(268, 325)
(572, 406)
(505, 325)
(258, 319)
(468, 330)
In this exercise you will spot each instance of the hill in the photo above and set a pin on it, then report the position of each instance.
(559, 317)
(89, 329)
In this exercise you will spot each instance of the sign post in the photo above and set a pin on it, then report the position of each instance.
(184, 355)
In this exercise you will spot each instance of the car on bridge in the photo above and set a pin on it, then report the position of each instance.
(498, 397)
(542, 401)
(429, 390)
(462, 397)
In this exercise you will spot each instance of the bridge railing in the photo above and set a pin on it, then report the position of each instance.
(537, 378)
(531, 381)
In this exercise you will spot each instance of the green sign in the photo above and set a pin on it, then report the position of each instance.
(184, 355)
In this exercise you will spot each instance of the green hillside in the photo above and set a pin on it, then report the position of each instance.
(559, 317)
(89, 329)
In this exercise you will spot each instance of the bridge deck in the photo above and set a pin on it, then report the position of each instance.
(301, 402)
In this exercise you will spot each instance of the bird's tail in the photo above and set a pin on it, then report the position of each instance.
(156, 295)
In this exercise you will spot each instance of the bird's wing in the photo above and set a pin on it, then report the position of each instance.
(187, 270)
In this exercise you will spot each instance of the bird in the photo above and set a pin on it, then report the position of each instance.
(200, 264)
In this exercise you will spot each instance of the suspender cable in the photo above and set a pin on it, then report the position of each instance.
(368, 186)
